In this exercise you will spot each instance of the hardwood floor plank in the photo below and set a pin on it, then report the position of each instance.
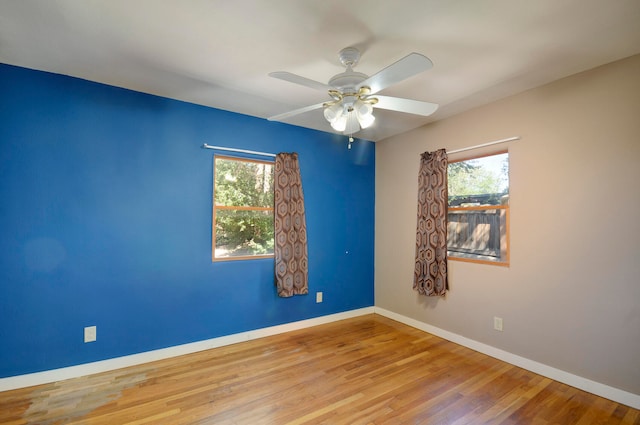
(366, 370)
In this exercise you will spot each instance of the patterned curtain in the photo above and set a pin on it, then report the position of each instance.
(430, 273)
(290, 228)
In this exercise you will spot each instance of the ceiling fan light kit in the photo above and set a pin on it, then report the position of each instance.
(352, 104)
(349, 112)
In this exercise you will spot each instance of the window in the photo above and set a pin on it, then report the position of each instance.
(242, 209)
(478, 214)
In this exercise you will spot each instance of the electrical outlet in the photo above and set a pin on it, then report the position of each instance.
(318, 297)
(90, 334)
(497, 323)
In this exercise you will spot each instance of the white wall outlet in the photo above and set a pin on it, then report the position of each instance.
(497, 323)
(318, 297)
(90, 334)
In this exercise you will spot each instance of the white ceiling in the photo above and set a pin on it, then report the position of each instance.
(219, 52)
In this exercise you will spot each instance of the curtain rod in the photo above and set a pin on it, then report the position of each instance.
(221, 148)
(510, 139)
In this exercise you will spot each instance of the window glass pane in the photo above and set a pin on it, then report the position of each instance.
(242, 208)
(243, 232)
(479, 181)
(475, 233)
(243, 183)
(475, 230)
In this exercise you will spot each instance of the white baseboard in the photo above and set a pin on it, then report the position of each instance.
(48, 376)
(602, 390)
(38, 378)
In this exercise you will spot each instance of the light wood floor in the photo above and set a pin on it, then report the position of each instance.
(366, 370)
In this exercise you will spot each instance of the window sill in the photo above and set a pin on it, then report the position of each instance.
(243, 257)
(479, 261)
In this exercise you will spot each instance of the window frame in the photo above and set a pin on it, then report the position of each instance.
(216, 208)
(504, 252)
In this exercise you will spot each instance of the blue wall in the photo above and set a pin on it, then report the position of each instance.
(105, 220)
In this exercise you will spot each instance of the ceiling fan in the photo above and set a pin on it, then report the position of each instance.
(353, 94)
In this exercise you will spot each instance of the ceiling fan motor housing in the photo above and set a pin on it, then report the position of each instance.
(348, 81)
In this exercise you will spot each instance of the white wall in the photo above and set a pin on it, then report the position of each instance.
(571, 297)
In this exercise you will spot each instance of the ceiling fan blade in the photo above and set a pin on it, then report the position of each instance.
(285, 115)
(293, 78)
(408, 66)
(409, 106)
